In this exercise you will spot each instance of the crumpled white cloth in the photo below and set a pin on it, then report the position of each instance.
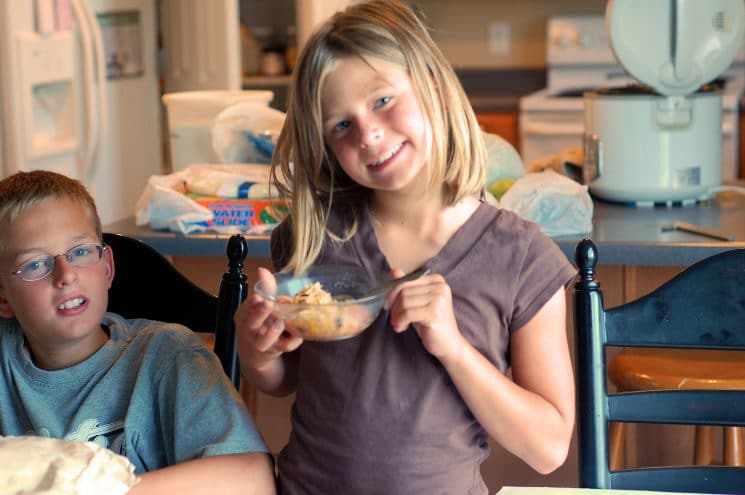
(559, 205)
(32, 465)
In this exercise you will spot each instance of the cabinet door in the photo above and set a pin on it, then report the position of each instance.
(310, 13)
(502, 123)
(201, 44)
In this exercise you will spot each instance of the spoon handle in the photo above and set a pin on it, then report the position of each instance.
(412, 275)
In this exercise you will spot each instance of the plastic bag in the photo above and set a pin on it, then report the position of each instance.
(504, 165)
(226, 198)
(246, 132)
(559, 205)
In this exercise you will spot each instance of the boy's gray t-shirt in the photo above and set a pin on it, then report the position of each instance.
(153, 392)
(377, 413)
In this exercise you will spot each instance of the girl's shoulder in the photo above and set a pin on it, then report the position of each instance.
(490, 223)
(504, 231)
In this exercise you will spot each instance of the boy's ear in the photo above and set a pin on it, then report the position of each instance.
(108, 259)
(5, 310)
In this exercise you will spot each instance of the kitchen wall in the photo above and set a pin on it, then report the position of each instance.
(461, 28)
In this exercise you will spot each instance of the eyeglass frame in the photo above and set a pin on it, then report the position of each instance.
(99, 246)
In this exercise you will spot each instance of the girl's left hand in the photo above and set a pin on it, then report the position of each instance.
(427, 304)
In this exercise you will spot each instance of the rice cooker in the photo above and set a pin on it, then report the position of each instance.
(661, 140)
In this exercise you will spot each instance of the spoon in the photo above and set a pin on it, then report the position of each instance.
(389, 284)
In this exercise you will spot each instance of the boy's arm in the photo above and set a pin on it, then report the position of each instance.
(245, 474)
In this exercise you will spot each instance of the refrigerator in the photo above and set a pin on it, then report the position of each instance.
(80, 95)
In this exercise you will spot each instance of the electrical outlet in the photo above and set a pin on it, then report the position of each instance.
(499, 38)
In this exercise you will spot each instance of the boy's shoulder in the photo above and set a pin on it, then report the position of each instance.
(10, 331)
(142, 332)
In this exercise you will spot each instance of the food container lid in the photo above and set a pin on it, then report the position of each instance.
(675, 46)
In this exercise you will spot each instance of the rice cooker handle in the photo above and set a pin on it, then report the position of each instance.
(592, 158)
(685, 67)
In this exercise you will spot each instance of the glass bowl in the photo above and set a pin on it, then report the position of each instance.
(349, 314)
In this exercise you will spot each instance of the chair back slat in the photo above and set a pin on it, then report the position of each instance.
(690, 479)
(709, 407)
(687, 311)
(703, 308)
(147, 285)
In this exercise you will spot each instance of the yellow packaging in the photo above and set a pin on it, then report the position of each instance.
(243, 212)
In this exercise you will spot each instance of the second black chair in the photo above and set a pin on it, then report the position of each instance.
(701, 308)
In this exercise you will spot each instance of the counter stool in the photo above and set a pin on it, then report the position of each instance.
(638, 369)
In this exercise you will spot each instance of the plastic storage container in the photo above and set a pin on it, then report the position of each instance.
(191, 115)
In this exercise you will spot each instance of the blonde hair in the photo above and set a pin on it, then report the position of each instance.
(23, 190)
(304, 170)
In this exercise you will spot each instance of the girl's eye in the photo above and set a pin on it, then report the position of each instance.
(344, 124)
(382, 101)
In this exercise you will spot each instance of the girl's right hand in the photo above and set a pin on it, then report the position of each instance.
(261, 337)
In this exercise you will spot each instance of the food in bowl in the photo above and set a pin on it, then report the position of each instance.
(312, 293)
(325, 303)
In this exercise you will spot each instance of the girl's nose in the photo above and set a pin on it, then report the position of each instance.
(370, 134)
(64, 272)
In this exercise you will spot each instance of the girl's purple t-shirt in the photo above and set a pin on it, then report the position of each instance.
(377, 414)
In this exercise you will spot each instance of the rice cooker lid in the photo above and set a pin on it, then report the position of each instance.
(675, 46)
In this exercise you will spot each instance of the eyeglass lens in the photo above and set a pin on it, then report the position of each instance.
(81, 256)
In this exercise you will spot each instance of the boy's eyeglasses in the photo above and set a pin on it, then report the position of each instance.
(82, 255)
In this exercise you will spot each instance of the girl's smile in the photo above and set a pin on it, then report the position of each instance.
(387, 157)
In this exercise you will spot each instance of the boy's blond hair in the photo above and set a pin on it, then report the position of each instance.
(23, 190)
(305, 171)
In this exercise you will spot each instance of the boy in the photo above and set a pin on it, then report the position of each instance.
(68, 369)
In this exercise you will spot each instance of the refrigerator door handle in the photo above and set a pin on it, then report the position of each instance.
(88, 133)
(94, 87)
(101, 108)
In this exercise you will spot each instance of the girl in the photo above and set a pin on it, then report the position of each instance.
(382, 161)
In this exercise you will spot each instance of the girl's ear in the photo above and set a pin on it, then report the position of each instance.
(5, 310)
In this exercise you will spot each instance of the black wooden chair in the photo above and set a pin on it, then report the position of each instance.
(147, 285)
(701, 308)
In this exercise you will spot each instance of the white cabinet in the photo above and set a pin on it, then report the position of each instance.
(201, 44)
(310, 13)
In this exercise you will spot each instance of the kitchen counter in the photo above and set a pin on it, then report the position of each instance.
(624, 235)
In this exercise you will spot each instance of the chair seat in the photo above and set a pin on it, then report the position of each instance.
(635, 369)
(641, 368)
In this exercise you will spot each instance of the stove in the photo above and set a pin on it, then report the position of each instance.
(579, 59)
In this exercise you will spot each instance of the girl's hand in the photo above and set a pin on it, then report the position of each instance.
(261, 337)
(427, 304)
